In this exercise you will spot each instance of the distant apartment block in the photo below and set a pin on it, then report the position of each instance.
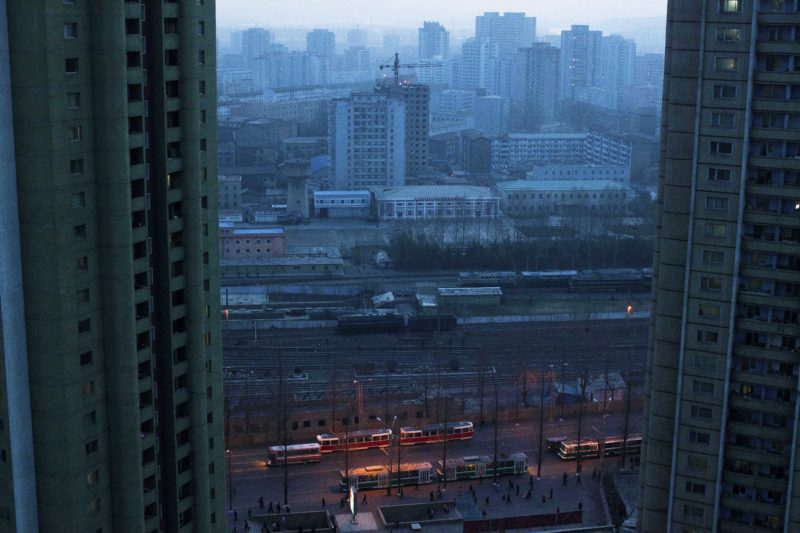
(230, 193)
(509, 31)
(590, 148)
(586, 172)
(342, 204)
(367, 141)
(416, 98)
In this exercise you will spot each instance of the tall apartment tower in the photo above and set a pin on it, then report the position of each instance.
(617, 66)
(535, 99)
(433, 41)
(116, 425)
(416, 98)
(321, 43)
(510, 31)
(479, 64)
(721, 420)
(367, 141)
(580, 59)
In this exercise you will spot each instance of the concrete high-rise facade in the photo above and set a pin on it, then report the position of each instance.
(367, 141)
(721, 417)
(580, 59)
(109, 280)
(536, 95)
(510, 31)
(433, 41)
(321, 43)
(479, 62)
(416, 98)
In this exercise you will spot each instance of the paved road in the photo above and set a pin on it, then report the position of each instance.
(309, 483)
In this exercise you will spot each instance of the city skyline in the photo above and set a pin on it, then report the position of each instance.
(240, 13)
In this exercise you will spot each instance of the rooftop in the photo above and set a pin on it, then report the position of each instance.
(469, 291)
(468, 192)
(257, 231)
(344, 194)
(559, 185)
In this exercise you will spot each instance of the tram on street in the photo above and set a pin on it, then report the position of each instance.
(377, 477)
(294, 453)
(568, 449)
(354, 440)
(480, 466)
(434, 433)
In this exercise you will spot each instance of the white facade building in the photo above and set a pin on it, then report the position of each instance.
(615, 173)
(437, 201)
(520, 148)
(367, 141)
(342, 204)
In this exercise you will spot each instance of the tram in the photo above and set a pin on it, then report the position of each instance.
(354, 440)
(295, 453)
(474, 467)
(378, 477)
(435, 433)
(568, 449)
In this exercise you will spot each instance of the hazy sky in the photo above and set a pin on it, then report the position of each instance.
(552, 14)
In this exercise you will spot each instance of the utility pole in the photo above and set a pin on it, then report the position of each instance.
(333, 399)
(496, 422)
(541, 424)
(516, 396)
(481, 367)
(582, 379)
(284, 425)
(444, 442)
(627, 421)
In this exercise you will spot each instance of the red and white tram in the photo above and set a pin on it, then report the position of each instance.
(354, 440)
(435, 433)
(295, 453)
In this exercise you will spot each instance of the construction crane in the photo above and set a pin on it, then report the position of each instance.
(394, 64)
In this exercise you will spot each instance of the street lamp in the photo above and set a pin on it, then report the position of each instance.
(389, 455)
(563, 389)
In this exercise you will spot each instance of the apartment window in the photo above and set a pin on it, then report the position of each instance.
(91, 447)
(729, 34)
(695, 488)
(74, 134)
(719, 175)
(720, 148)
(133, 59)
(170, 25)
(715, 230)
(78, 199)
(701, 412)
(201, 27)
(201, 57)
(716, 203)
(70, 30)
(203, 145)
(709, 337)
(730, 6)
(93, 477)
(708, 283)
(132, 26)
(82, 296)
(71, 65)
(724, 92)
(82, 264)
(697, 463)
(73, 100)
(171, 57)
(90, 418)
(85, 326)
(726, 64)
(79, 231)
(86, 358)
(723, 120)
(201, 87)
(699, 437)
(94, 505)
(709, 311)
(702, 387)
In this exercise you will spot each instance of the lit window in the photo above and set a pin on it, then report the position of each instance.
(730, 6)
(726, 64)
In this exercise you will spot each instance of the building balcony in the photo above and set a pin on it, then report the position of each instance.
(770, 380)
(772, 219)
(768, 300)
(752, 506)
(782, 408)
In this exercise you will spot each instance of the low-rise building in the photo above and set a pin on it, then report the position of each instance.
(522, 198)
(251, 243)
(298, 262)
(230, 193)
(577, 172)
(585, 148)
(437, 201)
(461, 296)
(342, 204)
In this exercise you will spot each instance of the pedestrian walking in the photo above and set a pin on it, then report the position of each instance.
(249, 514)
(235, 530)
(551, 494)
(270, 511)
(288, 509)
(483, 514)
(431, 495)
(564, 479)
(578, 477)
(543, 499)
(517, 490)
(508, 499)
(260, 502)
(580, 506)
(323, 502)
(246, 526)
(364, 500)
(487, 500)
(235, 517)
